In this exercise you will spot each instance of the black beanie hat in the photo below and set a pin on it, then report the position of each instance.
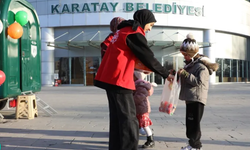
(190, 46)
(144, 16)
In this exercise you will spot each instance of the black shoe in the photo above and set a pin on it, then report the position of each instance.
(150, 142)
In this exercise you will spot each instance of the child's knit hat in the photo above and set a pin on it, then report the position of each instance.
(114, 23)
(139, 75)
(189, 46)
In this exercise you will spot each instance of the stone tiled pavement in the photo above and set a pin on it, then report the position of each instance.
(82, 121)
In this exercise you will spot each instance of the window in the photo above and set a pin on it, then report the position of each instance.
(232, 70)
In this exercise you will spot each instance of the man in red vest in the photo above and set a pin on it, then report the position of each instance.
(115, 75)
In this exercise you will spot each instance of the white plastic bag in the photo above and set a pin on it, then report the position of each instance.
(170, 96)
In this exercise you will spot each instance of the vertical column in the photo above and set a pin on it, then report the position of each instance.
(248, 59)
(47, 57)
(152, 77)
(237, 70)
(247, 77)
(176, 62)
(230, 72)
(243, 71)
(162, 63)
(84, 71)
(209, 36)
(221, 70)
(100, 60)
(248, 49)
(70, 71)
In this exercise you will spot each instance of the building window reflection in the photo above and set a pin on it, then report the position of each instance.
(227, 70)
(64, 70)
(232, 70)
(77, 70)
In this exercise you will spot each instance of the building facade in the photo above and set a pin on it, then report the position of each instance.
(72, 31)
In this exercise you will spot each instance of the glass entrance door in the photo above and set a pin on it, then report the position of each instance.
(62, 65)
(77, 70)
(92, 64)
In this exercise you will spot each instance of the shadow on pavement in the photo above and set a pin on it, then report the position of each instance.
(88, 134)
(15, 143)
(214, 142)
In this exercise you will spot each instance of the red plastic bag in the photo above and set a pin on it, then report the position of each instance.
(170, 96)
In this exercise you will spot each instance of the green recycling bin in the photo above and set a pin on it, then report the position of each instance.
(20, 59)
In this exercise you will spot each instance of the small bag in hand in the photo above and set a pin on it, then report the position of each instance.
(170, 96)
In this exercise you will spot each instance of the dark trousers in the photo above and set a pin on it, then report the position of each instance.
(194, 113)
(123, 129)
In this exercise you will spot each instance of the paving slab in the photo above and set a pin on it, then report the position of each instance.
(82, 122)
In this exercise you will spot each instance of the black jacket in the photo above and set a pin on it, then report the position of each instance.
(139, 46)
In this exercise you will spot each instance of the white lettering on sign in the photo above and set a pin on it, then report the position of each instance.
(33, 50)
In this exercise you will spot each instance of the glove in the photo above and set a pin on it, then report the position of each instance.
(180, 71)
(183, 72)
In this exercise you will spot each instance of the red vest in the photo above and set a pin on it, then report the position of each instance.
(106, 42)
(108, 39)
(117, 66)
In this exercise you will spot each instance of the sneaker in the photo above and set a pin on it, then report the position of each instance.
(142, 131)
(190, 148)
